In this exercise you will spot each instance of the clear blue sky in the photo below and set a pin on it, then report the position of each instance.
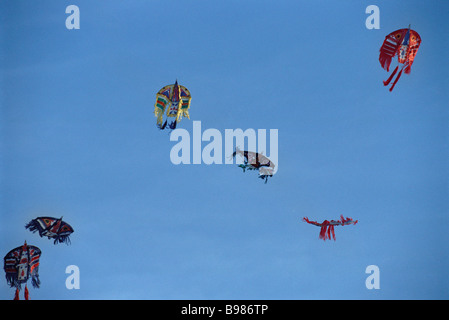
(78, 139)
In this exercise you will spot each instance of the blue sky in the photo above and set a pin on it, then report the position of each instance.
(79, 140)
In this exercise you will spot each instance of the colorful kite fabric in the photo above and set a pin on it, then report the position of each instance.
(404, 43)
(174, 100)
(256, 161)
(327, 227)
(52, 228)
(21, 264)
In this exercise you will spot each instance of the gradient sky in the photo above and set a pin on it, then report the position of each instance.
(79, 140)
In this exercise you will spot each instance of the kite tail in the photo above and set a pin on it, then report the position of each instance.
(16, 295)
(265, 177)
(395, 81)
(159, 112)
(391, 76)
(32, 226)
(185, 113)
(327, 231)
(333, 233)
(323, 231)
(63, 239)
(408, 69)
(26, 294)
(172, 125)
(162, 126)
(12, 280)
(385, 61)
(35, 281)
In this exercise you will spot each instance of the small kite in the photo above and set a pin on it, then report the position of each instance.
(256, 161)
(52, 228)
(21, 264)
(404, 43)
(176, 100)
(327, 227)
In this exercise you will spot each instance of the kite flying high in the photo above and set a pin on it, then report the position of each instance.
(21, 264)
(256, 161)
(176, 100)
(52, 228)
(327, 227)
(404, 43)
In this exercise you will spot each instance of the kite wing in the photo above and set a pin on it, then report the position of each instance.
(52, 228)
(415, 42)
(390, 47)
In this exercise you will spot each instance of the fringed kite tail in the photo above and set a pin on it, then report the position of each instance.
(159, 114)
(172, 125)
(395, 81)
(327, 231)
(32, 226)
(185, 113)
(13, 280)
(162, 126)
(408, 68)
(386, 56)
(385, 62)
(35, 281)
(331, 231)
(324, 231)
(16, 295)
(63, 239)
(26, 293)
(386, 82)
(264, 177)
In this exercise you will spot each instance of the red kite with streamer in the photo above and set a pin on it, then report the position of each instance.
(404, 43)
(327, 227)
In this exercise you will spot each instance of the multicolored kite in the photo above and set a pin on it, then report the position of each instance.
(404, 43)
(21, 264)
(176, 100)
(327, 227)
(256, 161)
(52, 228)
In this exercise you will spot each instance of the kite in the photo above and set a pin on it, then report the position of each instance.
(52, 228)
(21, 264)
(404, 43)
(176, 100)
(327, 227)
(256, 161)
